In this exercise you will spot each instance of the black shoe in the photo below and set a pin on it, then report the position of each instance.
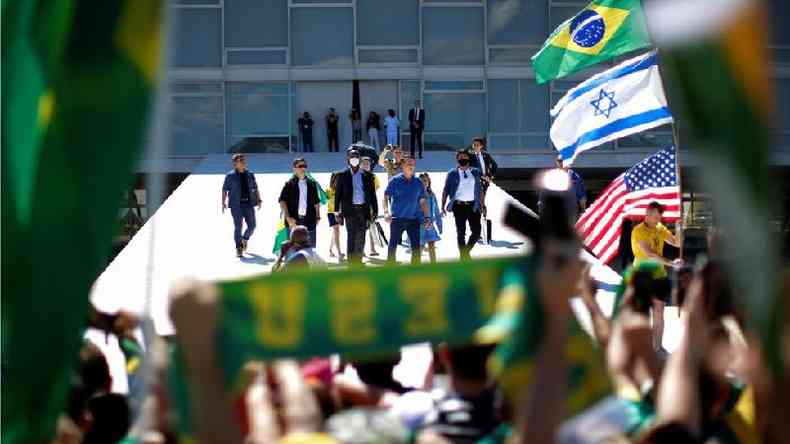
(239, 252)
(244, 245)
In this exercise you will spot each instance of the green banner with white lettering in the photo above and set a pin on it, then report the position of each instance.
(300, 314)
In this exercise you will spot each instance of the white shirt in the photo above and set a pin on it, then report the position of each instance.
(482, 163)
(303, 197)
(466, 186)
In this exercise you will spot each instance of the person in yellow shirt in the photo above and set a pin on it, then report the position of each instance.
(647, 243)
(368, 166)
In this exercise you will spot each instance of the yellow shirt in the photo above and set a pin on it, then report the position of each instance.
(654, 237)
(375, 182)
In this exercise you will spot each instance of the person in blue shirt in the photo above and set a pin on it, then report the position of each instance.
(240, 194)
(464, 189)
(409, 210)
(578, 188)
(429, 236)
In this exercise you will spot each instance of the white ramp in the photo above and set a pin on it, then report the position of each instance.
(189, 235)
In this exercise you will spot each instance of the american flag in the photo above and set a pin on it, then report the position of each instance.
(653, 179)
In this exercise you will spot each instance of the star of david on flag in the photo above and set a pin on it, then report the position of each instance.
(640, 105)
(604, 104)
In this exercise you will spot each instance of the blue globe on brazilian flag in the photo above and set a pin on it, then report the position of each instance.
(604, 29)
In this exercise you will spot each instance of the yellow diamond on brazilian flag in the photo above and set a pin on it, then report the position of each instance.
(604, 29)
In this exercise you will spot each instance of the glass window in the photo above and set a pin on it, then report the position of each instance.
(783, 104)
(452, 1)
(196, 125)
(561, 13)
(512, 22)
(534, 106)
(195, 2)
(409, 92)
(511, 56)
(257, 108)
(388, 56)
(454, 85)
(503, 143)
(197, 40)
(256, 57)
(452, 36)
(321, 1)
(309, 30)
(196, 87)
(388, 22)
(779, 10)
(259, 144)
(503, 109)
(453, 119)
(654, 138)
(256, 23)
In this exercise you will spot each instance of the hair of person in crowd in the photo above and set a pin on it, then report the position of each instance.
(110, 419)
(462, 151)
(300, 235)
(479, 140)
(297, 161)
(655, 206)
(353, 153)
(391, 112)
(333, 180)
(237, 157)
(426, 178)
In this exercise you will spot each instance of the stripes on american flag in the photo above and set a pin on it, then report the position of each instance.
(628, 196)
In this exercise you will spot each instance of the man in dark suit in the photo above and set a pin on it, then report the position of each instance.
(299, 200)
(484, 162)
(355, 203)
(416, 125)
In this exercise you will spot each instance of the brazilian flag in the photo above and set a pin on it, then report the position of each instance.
(78, 78)
(604, 29)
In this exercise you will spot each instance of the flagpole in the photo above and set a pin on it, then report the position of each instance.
(678, 228)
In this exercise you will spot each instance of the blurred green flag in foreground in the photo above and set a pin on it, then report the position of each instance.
(78, 78)
(716, 71)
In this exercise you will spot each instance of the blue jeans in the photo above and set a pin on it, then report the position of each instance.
(245, 212)
(412, 229)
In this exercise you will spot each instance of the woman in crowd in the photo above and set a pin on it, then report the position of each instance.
(430, 236)
(373, 126)
(392, 124)
(367, 166)
(334, 244)
(356, 125)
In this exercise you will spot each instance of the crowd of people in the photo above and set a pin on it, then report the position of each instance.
(410, 204)
(715, 387)
(374, 125)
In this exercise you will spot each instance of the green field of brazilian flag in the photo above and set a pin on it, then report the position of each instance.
(78, 78)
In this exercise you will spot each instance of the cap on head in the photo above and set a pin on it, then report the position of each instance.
(300, 235)
(353, 153)
(236, 157)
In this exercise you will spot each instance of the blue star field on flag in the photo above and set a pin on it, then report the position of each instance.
(656, 171)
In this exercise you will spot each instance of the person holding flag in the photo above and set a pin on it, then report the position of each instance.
(299, 200)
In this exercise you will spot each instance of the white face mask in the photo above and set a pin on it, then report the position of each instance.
(354, 161)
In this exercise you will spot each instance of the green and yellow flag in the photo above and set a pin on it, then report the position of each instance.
(78, 78)
(604, 29)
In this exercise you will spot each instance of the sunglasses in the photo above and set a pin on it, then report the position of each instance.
(301, 166)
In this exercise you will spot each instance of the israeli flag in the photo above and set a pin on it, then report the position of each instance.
(624, 100)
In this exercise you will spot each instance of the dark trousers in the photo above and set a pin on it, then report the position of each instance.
(333, 141)
(245, 212)
(415, 138)
(412, 229)
(464, 212)
(356, 225)
(309, 224)
(356, 135)
(307, 141)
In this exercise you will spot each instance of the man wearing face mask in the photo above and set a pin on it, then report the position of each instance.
(355, 203)
(463, 187)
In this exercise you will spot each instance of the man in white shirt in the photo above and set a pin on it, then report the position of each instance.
(299, 200)
(463, 187)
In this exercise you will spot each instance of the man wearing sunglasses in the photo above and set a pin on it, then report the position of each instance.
(240, 194)
(299, 200)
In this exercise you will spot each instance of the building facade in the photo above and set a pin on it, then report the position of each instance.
(241, 72)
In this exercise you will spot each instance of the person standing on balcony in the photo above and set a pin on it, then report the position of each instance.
(306, 130)
(332, 120)
(356, 125)
(416, 125)
(373, 126)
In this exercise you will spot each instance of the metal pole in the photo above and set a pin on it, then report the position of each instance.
(678, 227)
